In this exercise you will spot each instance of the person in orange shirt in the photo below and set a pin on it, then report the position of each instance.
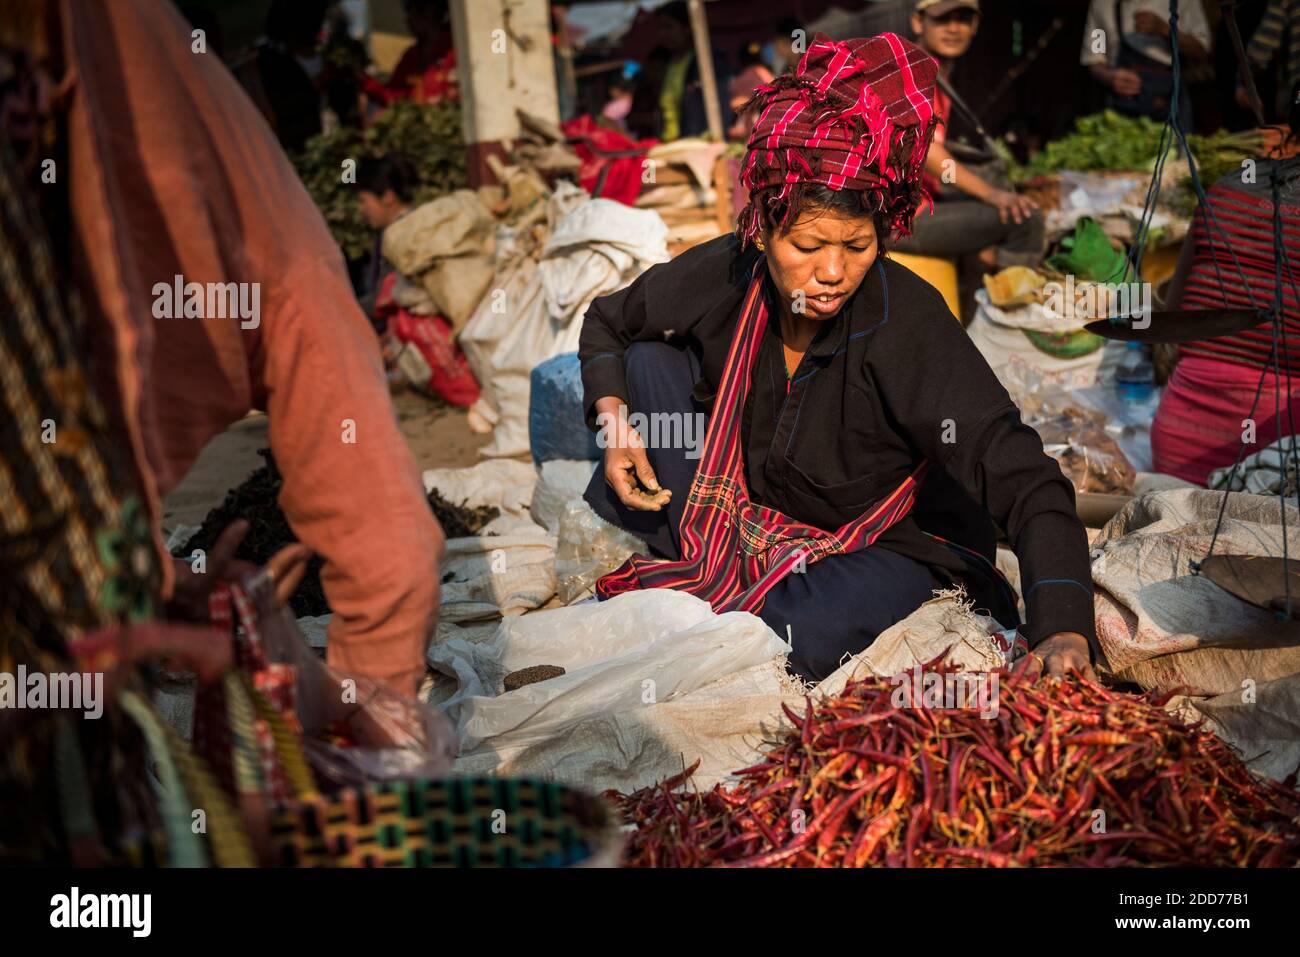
(174, 179)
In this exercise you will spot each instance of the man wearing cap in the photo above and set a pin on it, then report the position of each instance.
(973, 213)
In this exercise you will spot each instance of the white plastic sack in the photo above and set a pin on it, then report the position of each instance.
(596, 247)
(720, 726)
(485, 576)
(501, 483)
(502, 344)
(1004, 345)
(1161, 625)
(627, 655)
(655, 681)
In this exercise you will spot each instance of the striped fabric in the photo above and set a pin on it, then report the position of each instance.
(1244, 219)
(840, 121)
(735, 551)
(1280, 20)
(451, 822)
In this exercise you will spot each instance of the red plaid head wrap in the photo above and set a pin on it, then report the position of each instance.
(855, 115)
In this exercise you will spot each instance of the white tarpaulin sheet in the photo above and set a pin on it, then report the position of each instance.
(654, 682)
(625, 654)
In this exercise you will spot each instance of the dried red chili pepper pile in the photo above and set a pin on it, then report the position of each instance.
(860, 782)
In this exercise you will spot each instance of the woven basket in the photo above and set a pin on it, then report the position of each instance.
(453, 822)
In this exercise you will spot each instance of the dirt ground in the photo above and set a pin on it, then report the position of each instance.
(438, 435)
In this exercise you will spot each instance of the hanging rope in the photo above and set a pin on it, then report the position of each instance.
(1173, 132)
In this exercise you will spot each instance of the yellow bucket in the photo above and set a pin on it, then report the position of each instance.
(938, 272)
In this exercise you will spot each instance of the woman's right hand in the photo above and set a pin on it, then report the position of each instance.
(1125, 82)
(626, 461)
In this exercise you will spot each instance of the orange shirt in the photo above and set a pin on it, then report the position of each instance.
(175, 172)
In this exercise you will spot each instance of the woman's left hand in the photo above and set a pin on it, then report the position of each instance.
(1056, 654)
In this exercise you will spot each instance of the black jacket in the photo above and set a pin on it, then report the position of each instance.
(890, 380)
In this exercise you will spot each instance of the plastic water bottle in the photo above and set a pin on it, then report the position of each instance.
(1135, 378)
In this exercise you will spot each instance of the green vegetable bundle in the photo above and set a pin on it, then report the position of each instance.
(1221, 152)
(1102, 141)
(1109, 141)
(428, 137)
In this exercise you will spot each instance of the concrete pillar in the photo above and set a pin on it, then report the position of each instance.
(505, 62)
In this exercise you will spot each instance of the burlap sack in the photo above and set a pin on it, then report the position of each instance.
(446, 245)
(457, 285)
(1161, 625)
(1260, 721)
(457, 224)
(943, 624)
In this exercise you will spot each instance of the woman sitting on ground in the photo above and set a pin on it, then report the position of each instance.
(859, 450)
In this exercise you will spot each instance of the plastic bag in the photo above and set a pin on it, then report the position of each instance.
(1073, 433)
(588, 547)
(430, 359)
(1090, 458)
(376, 734)
(561, 481)
(623, 655)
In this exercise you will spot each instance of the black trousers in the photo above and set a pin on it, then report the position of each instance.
(962, 226)
(836, 606)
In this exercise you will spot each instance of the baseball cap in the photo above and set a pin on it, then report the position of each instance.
(939, 8)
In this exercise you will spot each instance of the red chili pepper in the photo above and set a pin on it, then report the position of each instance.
(869, 836)
(1111, 739)
(1020, 789)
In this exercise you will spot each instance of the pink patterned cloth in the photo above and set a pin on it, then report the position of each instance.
(855, 115)
(1198, 426)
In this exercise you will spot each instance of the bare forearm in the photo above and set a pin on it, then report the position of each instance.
(609, 405)
(941, 164)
